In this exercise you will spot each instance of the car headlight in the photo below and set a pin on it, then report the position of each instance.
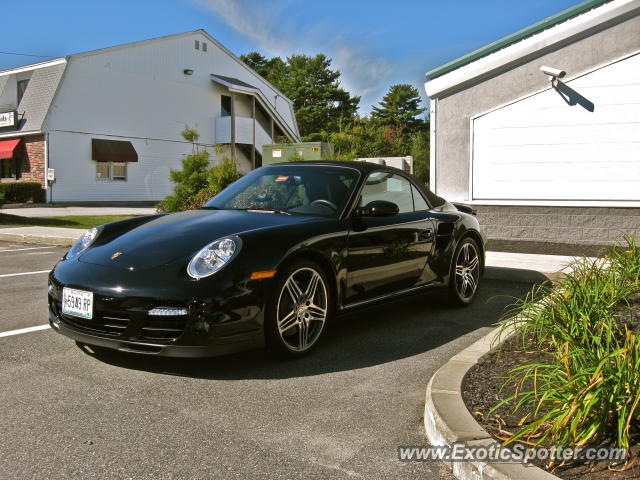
(83, 242)
(213, 257)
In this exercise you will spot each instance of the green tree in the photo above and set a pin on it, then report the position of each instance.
(321, 105)
(271, 69)
(365, 137)
(420, 154)
(400, 107)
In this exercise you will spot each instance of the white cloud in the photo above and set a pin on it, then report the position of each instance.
(265, 24)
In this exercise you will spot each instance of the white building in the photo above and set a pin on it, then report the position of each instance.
(552, 161)
(108, 122)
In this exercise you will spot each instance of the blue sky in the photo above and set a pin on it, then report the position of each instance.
(374, 43)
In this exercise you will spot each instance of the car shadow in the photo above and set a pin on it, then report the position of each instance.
(369, 337)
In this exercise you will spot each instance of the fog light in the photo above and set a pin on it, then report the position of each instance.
(168, 311)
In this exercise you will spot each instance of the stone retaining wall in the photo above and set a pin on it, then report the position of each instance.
(589, 225)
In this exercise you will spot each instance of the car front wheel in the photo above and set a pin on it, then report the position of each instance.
(299, 311)
(466, 267)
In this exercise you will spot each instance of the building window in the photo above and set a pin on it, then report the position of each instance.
(118, 171)
(11, 168)
(197, 45)
(22, 87)
(225, 110)
(204, 46)
(111, 171)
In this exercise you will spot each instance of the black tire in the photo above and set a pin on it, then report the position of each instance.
(465, 273)
(288, 321)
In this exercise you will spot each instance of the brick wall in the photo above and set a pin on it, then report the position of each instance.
(33, 160)
(577, 225)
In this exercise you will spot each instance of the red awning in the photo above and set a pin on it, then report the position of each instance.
(8, 147)
(112, 151)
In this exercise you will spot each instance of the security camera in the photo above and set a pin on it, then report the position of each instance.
(554, 73)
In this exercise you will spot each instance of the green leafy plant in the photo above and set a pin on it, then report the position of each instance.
(196, 182)
(219, 177)
(590, 389)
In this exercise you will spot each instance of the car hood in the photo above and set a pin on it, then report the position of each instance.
(169, 237)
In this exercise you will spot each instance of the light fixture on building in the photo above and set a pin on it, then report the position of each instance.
(187, 71)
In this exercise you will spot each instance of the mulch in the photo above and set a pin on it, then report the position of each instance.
(484, 387)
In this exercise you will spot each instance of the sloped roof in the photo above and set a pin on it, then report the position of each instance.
(35, 103)
(515, 37)
(233, 81)
(38, 97)
(587, 17)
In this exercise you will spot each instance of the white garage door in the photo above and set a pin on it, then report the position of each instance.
(582, 143)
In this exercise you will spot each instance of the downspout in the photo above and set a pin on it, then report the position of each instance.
(433, 143)
(48, 187)
(253, 149)
(233, 126)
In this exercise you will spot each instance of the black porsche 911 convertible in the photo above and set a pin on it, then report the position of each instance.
(268, 261)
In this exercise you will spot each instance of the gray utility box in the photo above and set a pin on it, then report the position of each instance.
(286, 152)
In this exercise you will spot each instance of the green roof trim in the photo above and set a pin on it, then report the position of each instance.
(515, 37)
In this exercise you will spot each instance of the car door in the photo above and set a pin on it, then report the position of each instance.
(387, 254)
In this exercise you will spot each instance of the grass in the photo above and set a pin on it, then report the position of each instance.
(590, 391)
(80, 221)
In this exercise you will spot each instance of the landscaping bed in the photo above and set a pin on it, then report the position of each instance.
(571, 373)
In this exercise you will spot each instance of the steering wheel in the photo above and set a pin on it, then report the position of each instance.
(326, 203)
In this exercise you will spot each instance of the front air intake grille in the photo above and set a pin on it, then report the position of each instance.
(111, 324)
(163, 329)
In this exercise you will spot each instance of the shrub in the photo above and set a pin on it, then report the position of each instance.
(590, 390)
(188, 181)
(196, 176)
(222, 175)
(21, 192)
(219, 177)
(196, 183)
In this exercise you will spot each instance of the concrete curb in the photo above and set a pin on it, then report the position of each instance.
(62, 237)
(447, 420)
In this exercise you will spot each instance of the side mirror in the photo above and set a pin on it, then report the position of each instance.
(379, 208)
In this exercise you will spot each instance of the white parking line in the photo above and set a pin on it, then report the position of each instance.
(23, 249)
(24, 273)
(23, 330)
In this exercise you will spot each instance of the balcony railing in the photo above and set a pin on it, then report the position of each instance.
(244, 131)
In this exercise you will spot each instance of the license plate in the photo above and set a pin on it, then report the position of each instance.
(77, 303)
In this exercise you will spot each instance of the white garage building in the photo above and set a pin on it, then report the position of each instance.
(543, 158)
(107, 123)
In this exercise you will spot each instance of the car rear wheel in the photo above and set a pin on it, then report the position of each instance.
(299, 311)
(465, 275)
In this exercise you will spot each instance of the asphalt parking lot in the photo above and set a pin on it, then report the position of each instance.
(339, 413)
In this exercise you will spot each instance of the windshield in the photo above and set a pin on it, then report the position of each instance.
(317, 190)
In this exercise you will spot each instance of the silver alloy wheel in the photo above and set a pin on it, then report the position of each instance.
(467, 271)
(302, 309)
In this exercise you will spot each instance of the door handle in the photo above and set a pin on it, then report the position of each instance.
(426, 234)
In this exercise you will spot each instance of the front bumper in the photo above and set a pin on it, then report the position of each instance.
(225, 314)
(173, 350)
